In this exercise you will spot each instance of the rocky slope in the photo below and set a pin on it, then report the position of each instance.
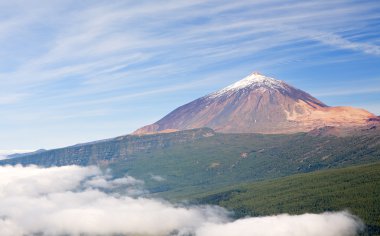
(259, 104)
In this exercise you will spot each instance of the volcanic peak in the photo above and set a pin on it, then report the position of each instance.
(259, 104)
(254, 80)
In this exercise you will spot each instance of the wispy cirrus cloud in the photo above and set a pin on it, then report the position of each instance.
(347, 91)
(12, 98)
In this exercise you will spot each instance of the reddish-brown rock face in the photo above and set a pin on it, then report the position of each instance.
(258, 104)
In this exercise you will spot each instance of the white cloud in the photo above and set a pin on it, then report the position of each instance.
(125, 185)
(157, 178)
(65, 204)
(347, 91)
(326, 224)
(69, 200)
(11, 98)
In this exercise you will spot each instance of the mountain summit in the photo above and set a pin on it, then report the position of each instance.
(258, 104)
(254, 80)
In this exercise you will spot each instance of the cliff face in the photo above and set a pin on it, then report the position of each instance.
(108, 151)
(258, 104)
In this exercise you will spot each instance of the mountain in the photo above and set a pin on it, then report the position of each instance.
(194, 161)
(107, 151)
(259, 104)
(25, 154)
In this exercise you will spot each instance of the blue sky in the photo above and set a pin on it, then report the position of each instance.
(77, 71)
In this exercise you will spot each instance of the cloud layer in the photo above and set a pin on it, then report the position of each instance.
(327, 224)
(76, 200)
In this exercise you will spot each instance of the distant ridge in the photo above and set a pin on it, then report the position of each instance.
(259, 104)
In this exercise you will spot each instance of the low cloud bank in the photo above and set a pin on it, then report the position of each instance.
(76, 200)
(326, 224)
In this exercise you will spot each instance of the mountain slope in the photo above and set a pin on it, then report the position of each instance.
(194, 160)
(258, 104)
(226, 159)
(108, 151)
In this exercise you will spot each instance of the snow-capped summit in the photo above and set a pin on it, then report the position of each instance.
(254, 80)
(258, 104)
